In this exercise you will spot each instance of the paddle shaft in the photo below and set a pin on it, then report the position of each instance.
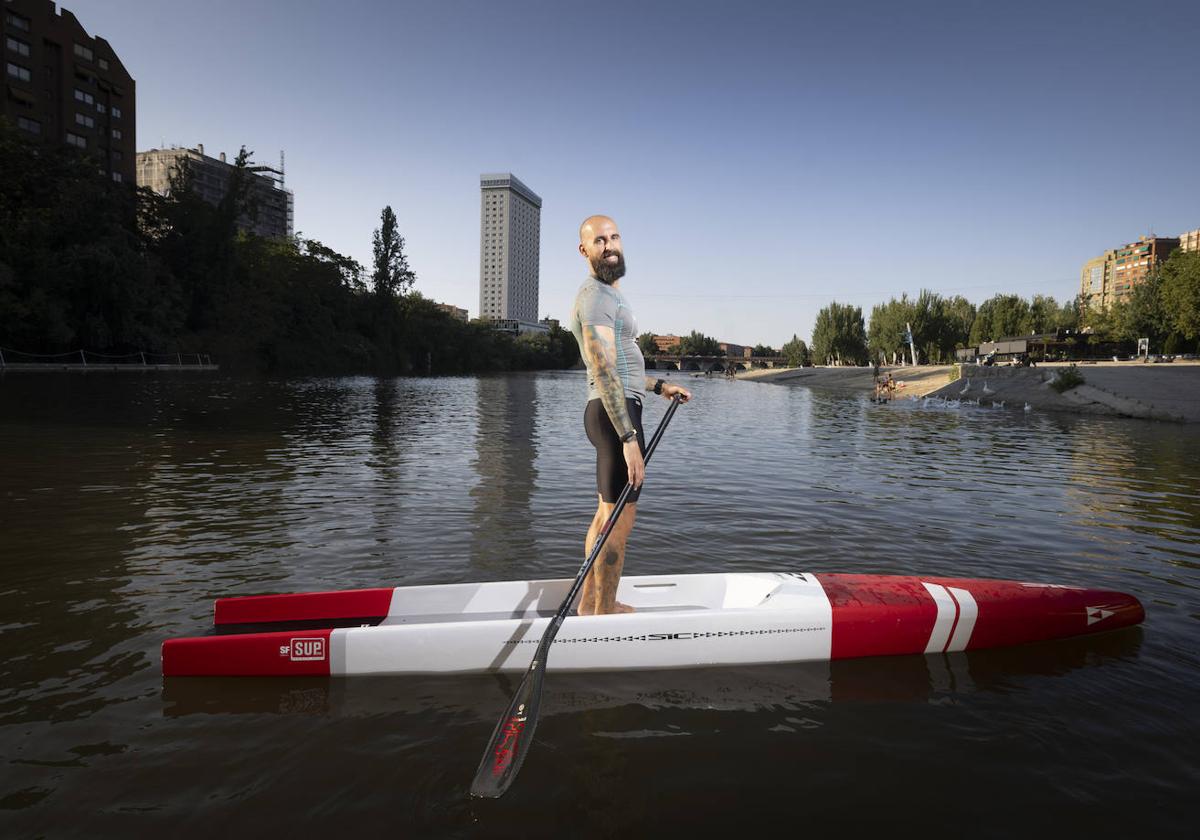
(514, 732)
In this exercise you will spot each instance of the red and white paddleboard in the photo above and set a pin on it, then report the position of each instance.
(681, 621)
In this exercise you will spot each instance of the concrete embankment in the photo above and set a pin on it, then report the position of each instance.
(1125, 389)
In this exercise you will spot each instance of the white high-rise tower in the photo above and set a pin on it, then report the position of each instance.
(510, 224)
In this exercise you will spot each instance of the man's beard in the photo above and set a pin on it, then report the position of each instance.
(609, 273)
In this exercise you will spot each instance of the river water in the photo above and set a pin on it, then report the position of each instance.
(128, 502)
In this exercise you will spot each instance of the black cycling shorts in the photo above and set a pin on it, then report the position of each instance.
(611, 472)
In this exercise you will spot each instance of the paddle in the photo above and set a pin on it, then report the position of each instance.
(513, 735)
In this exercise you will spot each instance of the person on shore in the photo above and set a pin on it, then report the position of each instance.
(606, 330)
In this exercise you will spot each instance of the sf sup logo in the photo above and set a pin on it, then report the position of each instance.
(304, 649)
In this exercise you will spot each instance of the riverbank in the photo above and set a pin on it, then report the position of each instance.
(910, 381)
(1124, 389)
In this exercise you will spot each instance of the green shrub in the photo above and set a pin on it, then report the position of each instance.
(1067, 379)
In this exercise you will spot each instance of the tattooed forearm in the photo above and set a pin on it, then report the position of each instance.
(599, 343)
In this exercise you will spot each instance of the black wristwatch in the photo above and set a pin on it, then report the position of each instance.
(628, 436)
(658, 386)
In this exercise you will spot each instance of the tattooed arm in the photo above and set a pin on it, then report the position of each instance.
(600, 347)
(600, 350)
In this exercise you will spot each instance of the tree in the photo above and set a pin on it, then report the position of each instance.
(1180, 292)
(936, 330)
(1101, 324)
(1000, 316)
(646, 344)
(763, 350)
(698, 344)
(1068, 314)
(981, 327)
(392, 276)
(1142, 314)
(886, 335)
(796, 353)
(960, 316)
(86, 263)
(1009, 317)
(839, 334)
(349, 270)
(74, 270)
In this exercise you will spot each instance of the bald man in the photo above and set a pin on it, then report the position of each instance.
(606, 330)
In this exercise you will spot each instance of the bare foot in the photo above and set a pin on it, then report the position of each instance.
(618, 607)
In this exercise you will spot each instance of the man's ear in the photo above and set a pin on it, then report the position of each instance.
(582, 250)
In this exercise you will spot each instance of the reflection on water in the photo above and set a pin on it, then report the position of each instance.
(506, 441)
(126, 505)
(774, 688)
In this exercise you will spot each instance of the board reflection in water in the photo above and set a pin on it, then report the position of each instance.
(890, 679)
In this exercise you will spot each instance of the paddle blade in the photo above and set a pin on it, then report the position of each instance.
(511, 739)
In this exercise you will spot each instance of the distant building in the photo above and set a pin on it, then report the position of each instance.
(667, 343)
(509, 250)
(1190, 241)
(735, 350)
(1095, 282)
(65, 86)
(453, 311)
(1112, 277)
(272, 203)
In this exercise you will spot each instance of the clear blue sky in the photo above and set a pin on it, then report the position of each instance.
(762, 159)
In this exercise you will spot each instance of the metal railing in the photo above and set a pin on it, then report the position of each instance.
(80, 358)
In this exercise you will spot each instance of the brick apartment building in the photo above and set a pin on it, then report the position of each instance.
(1112, 276)
(62, 85)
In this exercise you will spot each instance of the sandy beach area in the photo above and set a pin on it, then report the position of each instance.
(1163, 391)
(910, 381)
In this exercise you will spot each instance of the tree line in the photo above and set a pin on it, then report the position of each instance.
(1164, 308)
(86, 263)
(699, 344)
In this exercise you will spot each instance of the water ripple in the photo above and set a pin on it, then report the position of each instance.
(128, 505)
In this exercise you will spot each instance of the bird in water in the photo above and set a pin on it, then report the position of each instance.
(966, 387)
(1028, 407)
(986, 389)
